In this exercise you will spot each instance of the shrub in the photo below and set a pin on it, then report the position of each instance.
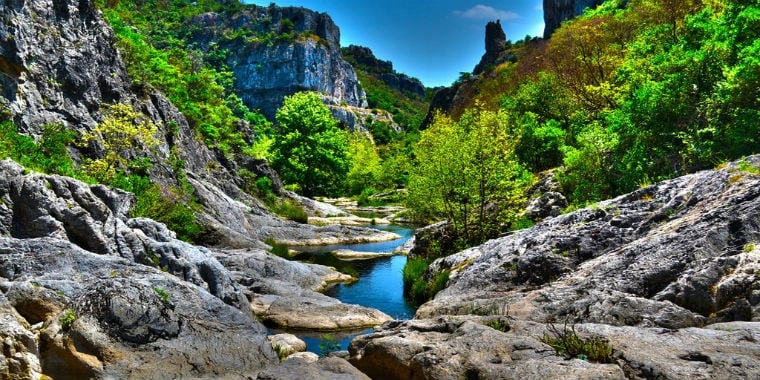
(67, 319)
(162, 293)
(278, 249)
(291, 210)
(566, 342)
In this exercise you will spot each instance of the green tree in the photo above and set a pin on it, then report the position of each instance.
(365, 164)
(467, 172)
(310, 150)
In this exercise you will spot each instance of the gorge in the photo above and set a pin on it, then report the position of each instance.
(627, 254)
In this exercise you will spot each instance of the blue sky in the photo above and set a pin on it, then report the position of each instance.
(431, 40)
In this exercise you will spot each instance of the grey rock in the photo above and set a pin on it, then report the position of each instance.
(325, 369)
(465, 347)
(266, 72)
(675, 255)
(549, 204)
(286, 344)
(131, 319)
(49, 74)
(95, 219)
(557, 11)
(19, 356)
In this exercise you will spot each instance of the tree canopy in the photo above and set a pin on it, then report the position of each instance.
(309, 149)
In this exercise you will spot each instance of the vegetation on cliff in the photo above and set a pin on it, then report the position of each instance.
(626, 95)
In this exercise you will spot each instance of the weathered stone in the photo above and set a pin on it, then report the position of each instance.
(325, 369)
(465, 347)
(676, 254)
(321, 314)
(557, 11)
(131, 319)
(286, 344)
(266, 72)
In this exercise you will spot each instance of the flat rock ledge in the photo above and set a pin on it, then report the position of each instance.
(319, 313)
(347, 254)
(339, 234)
(457, 347)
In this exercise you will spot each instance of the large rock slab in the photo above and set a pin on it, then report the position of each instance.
(330, 368)
(113, 318)
(465, 347)
(681, 253)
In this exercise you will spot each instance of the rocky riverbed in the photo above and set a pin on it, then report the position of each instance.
(666, 279)
(86, 291)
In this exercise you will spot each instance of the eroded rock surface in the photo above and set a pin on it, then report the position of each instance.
(678, 254)
(456, 347)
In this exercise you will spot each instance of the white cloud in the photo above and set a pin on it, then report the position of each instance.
(539, 7)
(485, 12)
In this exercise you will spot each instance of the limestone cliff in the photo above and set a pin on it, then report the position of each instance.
(557, 11)
(364, 59)
(59, 64)
(285, 50)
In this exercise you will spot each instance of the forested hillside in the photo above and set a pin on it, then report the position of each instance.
(621, 97)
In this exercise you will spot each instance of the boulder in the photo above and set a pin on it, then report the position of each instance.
(321, 313)
(677, 254)
(286, 344)
(120, 319)
(466, 347)
(325, 369)
(456, 347)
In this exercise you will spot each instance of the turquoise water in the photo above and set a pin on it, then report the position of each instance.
(380, 285)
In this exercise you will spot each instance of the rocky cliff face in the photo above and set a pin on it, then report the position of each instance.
(58, 63)
(305, 57)
(87, 292)
(557, 11)
(383, 70)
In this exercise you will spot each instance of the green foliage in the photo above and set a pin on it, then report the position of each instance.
(173, 206)
(467, 172)
(291, 210)
(67, 319)
(415, 285)
(149, 35)
(499, 325)
(162, 293)
(48, 155)
(310, 150)
(567, 343)
(122, 131)
(278, 249)
(365, 164)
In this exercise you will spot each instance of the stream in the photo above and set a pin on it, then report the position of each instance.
(380, 285)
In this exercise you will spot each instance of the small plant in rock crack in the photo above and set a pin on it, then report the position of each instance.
(67, 319)
(498, 324)
(162, 293)
(566, 342)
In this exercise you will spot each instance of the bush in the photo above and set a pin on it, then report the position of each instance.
(566, 342)
(291, 210)
(415, 285)
(278, 249)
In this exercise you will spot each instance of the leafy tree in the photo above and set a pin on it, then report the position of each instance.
(365, 164)
(309, 149)
(467, 172)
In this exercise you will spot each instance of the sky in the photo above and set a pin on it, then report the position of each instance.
(433, 40)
